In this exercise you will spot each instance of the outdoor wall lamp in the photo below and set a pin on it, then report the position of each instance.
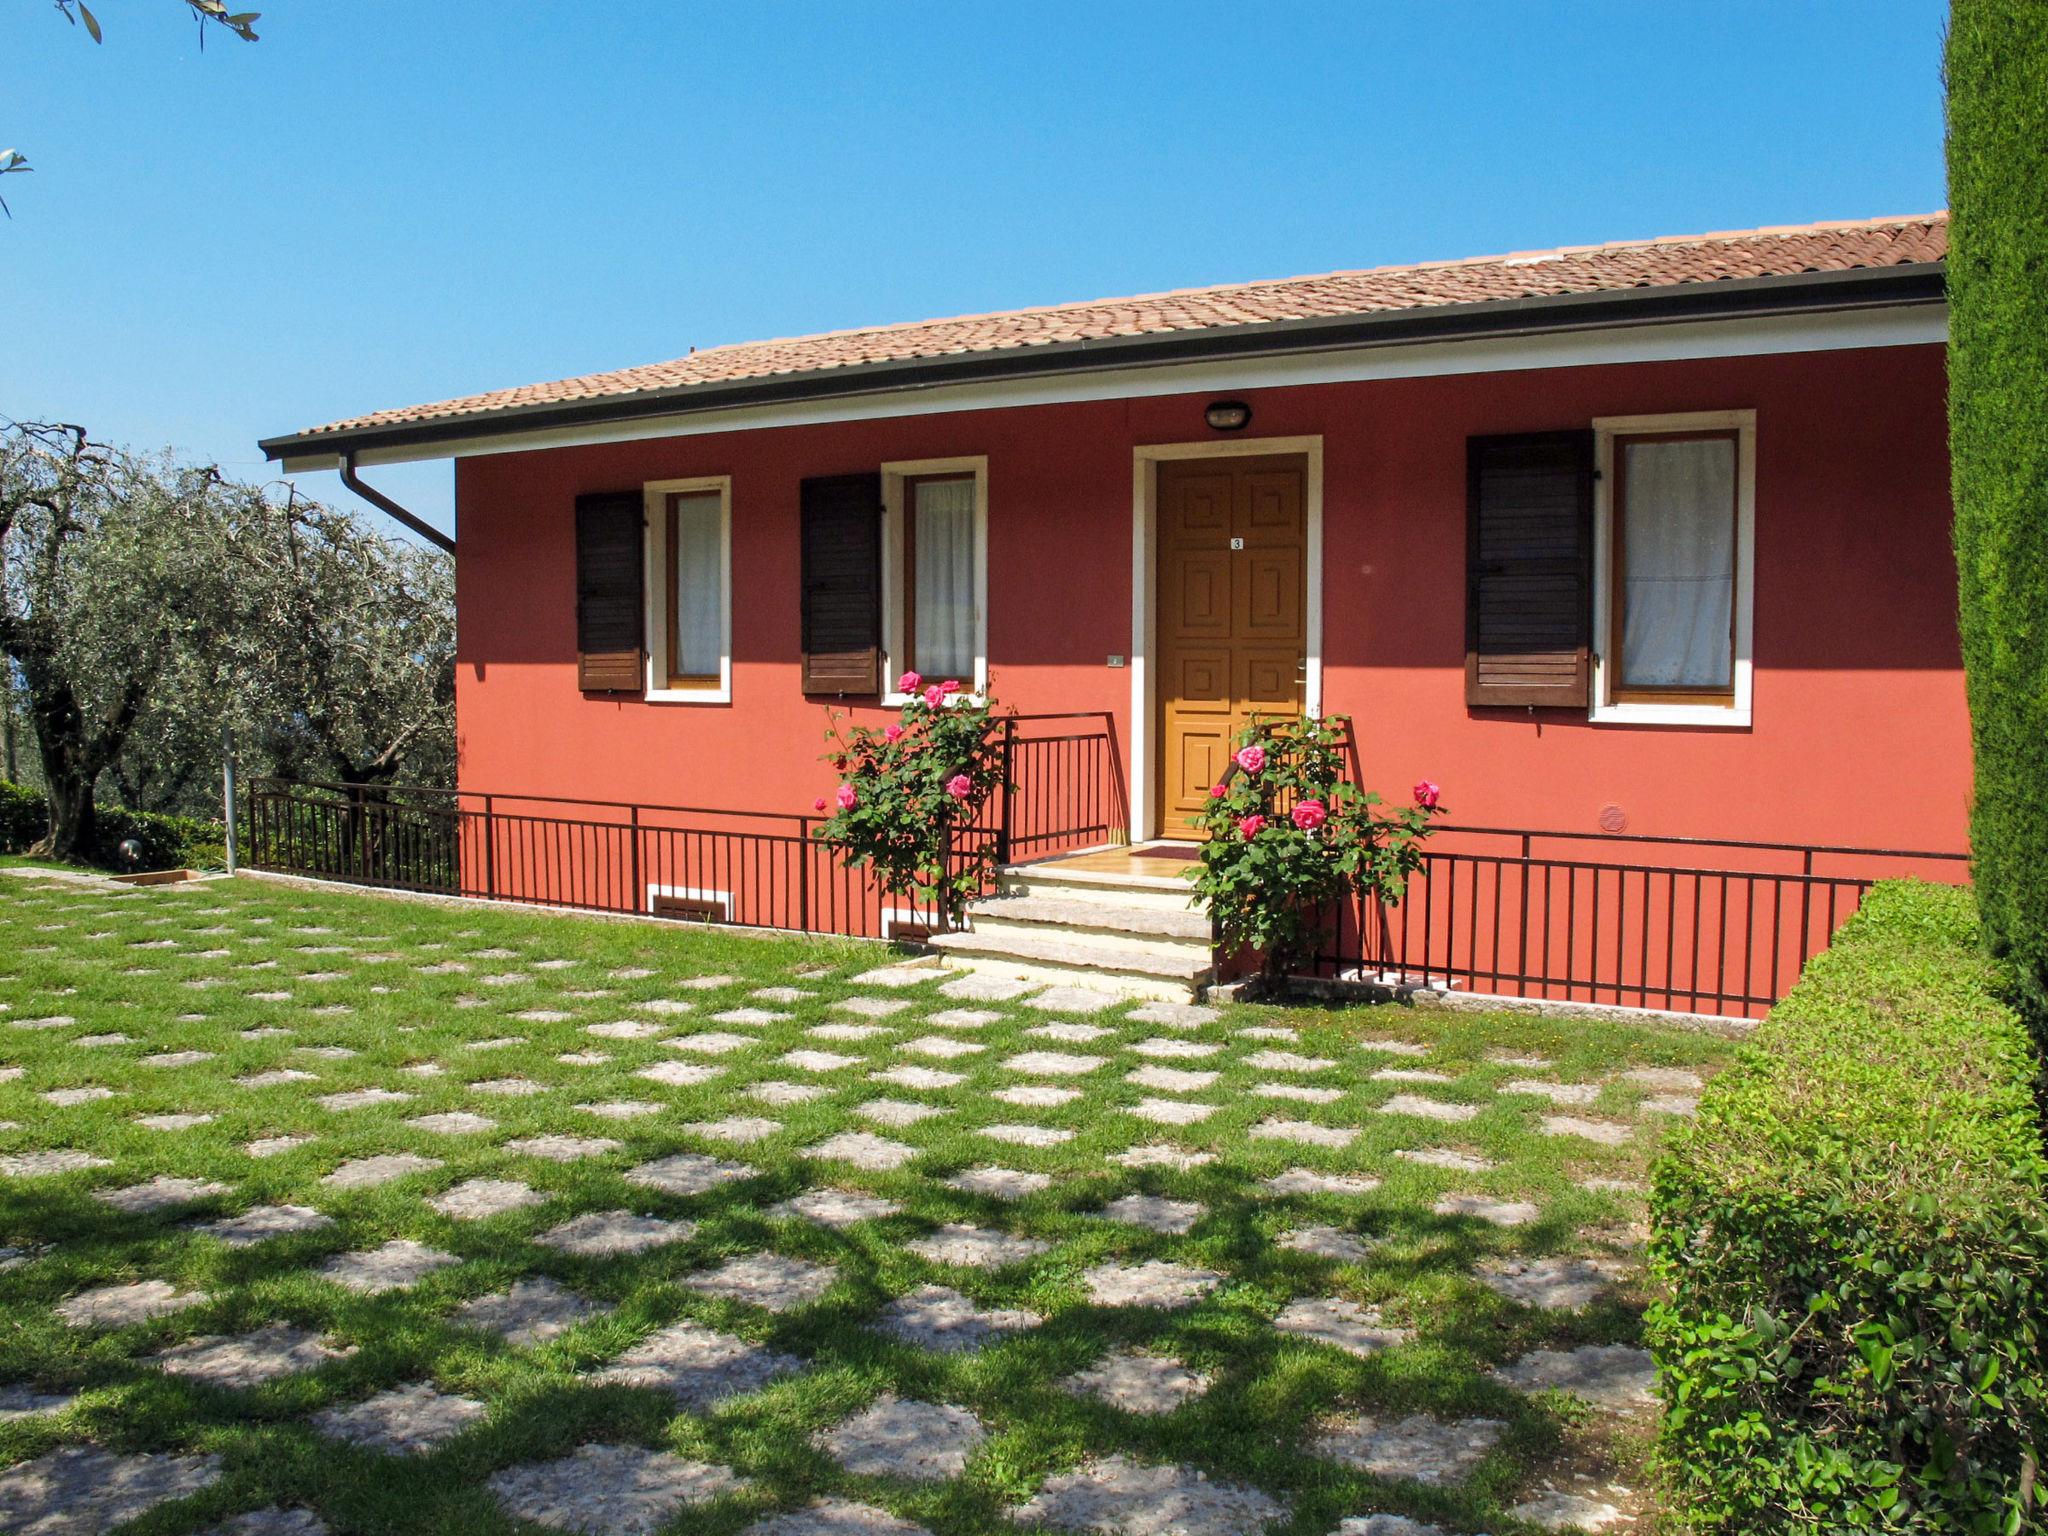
(1228, 415)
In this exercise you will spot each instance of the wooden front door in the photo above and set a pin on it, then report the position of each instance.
(1233, 615)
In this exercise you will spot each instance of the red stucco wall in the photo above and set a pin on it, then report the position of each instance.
(1860, 733)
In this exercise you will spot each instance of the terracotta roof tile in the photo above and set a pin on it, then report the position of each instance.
(1666, 262)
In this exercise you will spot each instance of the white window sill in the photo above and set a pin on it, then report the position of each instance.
(688, 696)
(1719, 716)
(953, 700)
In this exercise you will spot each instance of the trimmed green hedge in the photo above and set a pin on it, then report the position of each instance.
(1855, 1239)
(1997, 68)
(168, 842)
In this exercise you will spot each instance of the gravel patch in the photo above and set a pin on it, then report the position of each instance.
(531, 1312)
(480, 1199)
(1171, 1079)
(835, 1208)
(688, 1173)
(741, 1130)
(1138, 1382)
(1429, 1109)
(1323, 1242)
(898, 1437)
(1155, 1213)
(1161, 1049)
(898, 1112)
(863, 1150)
(1027, 1135)
(780, 1094)
(939, 1318)
(940, 1047)
(818, 1061)
(1606, 1133)
(711, 1043)
(1155, 1283)
(1502, 1213)
(1304, 1132)
(404, 1421)
(680, 1074)
(606, 1234)
(620, 1109)
(1118, 1496)
(834, 1517)
(962, 1018)
(699, 1367)
(1419, 1448)
(453, 1122)
(1287, 1061)
(1575, 1094)
(1036, 1096)
(562, 1149)
(1311, 1181)
(608, 1490)
(1607, 1375)
(871, 1007)
(361, 1098)
(1340, 1323)
(1562, 1283)
(83, 1490)
(117, 1306)
(1172, 1111)
(998, 1183)
(1070, 1000)
(978, 988)
(262, 1222)
(1447, 1157)
(1174, 1015)
(976, 1247)
(36, 1165)
(391, 1267)
(1053, 1064)
(1560, 1511)
(386, 1168)
(162, 1193)
(250, 1359)
(770, 1280)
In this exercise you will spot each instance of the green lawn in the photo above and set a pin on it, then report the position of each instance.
(1317, 1352)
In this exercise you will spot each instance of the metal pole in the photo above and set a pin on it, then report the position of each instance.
(227, 790)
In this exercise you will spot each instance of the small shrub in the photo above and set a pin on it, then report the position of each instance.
(1289, 836)
(907, 789)
(165, 842)
(1855, 1239)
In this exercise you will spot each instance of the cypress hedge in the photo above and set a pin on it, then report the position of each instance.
(1854, 1240)
(1997, 69)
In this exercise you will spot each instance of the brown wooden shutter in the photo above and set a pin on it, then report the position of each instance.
(1529, 570)
(842, 585)
(610, 601)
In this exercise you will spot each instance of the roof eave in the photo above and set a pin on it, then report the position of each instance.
(1729, 298)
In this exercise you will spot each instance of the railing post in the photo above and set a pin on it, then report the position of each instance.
(803, 874)
(490, 849)
(639, 891)
(1003, 826)
(227, 793)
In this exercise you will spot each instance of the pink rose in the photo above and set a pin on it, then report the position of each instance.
(894, 733)
(950, 686)
(1427, 794)
(909, 682)
(818, 804)
(1217, 791)
(847, 798)
(959, 786)
(1251, 759)
(934, 696)
(1249, 827)
(1310, 814)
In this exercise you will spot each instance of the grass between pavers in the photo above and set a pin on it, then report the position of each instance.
(102, 960)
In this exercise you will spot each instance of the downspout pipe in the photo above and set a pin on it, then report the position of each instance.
(390, 508)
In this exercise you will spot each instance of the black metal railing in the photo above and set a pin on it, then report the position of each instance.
(1697, 925)
(1063, 789)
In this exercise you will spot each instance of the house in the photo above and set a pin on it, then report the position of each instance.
(1644, 540)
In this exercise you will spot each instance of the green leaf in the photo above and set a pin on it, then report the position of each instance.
(92, 22)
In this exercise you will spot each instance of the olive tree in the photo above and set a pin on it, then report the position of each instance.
(114, 584)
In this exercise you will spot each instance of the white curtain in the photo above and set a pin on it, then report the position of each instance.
(699, 594)
(1678, 542)
(943, 539)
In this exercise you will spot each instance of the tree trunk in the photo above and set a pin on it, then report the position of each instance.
(74, 821)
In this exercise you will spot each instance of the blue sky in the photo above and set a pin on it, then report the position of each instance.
(383, 202)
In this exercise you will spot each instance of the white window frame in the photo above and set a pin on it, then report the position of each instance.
(654, 500)
(894, 477)
(1734, 714)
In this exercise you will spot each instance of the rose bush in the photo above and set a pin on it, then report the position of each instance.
(906, 789)
(1288, 836)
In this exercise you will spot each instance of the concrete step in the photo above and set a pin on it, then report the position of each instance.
(1060, 952)
(1094, 913)
(1113, 983)
(1156, 892)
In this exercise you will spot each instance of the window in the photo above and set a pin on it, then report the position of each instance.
(1676, 523)
(935, 577)
(689, 535)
